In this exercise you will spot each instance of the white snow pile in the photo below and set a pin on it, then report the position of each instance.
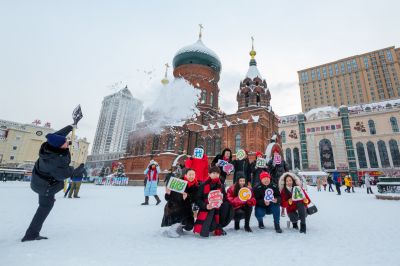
(108, 226)
(171, 104)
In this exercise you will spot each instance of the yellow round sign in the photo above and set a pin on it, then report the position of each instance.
(244, 194)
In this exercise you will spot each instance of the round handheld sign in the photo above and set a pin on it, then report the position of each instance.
(244, 194)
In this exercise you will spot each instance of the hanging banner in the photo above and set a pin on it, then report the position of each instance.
(244, 194)
(112, 181)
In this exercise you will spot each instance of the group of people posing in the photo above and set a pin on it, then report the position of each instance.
(269, 188)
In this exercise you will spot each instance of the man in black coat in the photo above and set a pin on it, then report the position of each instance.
(244, 167)
(277, 168)
(330, 183)
(257, 170)
(264, 207)
(48, 176)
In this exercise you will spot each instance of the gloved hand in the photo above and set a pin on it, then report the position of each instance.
(77, 115)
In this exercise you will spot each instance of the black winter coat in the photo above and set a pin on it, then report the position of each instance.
(255, 173)
(277, 170)
(80, 171)
(178, 210)
(52, 167)
(222, 175)
(244, 167)
(259, 193)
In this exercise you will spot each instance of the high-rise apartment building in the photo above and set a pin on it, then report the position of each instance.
(119, 114)
(358, 79)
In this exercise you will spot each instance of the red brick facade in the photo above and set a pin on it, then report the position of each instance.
(250, 128)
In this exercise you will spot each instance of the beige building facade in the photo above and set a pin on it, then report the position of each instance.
(20, 144)
(331, 139)
(360, 79)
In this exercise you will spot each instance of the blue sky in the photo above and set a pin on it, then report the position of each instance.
(56, 54)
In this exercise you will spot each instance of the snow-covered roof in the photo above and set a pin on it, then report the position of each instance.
(322, 113)
(375, 105)
(288, 119)
(198, 47)
(253, 72)
(255, 118)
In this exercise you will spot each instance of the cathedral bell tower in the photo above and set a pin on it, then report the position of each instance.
(253, 92)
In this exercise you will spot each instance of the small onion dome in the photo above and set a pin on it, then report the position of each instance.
(252, 54)
(164, 81)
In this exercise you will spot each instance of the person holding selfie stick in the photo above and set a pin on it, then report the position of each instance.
(49, 173)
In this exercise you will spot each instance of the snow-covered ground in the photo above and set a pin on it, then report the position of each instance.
(108, 226)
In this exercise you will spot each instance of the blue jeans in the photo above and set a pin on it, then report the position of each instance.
(272, 208)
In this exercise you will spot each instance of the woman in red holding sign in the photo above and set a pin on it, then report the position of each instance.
(242, 200)
(199, 164)
(296, 206)
(178, 212)
(215, 212)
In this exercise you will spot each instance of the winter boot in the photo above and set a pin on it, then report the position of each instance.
(237, 224)
(29, 238)
(146, 200)
(302, 228)
(295, 226)
(158, 199)
(175, 231)
(219, 232)
(277, 228)
(261, 225)
(247, 227)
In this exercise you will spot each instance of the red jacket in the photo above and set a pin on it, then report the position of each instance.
(200, 166)
(285, 196)
(236, 202)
